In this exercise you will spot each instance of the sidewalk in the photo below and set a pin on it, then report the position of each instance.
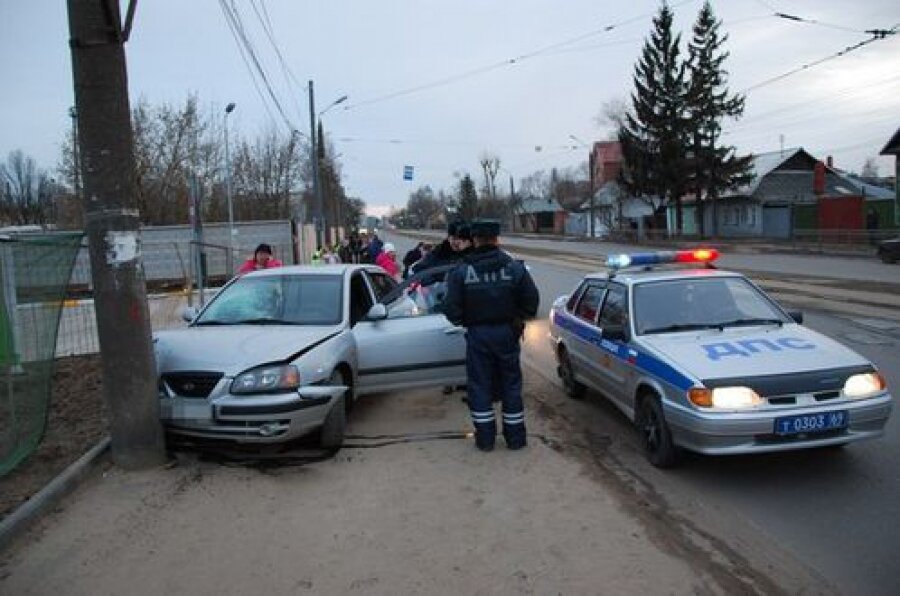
(429, 517)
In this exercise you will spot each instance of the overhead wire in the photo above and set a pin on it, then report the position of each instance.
(262, 16)
(504, 63)
(233, 15)
(814, 63)
(242, 52)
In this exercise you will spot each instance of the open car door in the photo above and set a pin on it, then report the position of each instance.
(406, 341)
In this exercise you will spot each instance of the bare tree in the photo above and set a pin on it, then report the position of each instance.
(612, 116)
(490, 165)
(26, 191)
(423, 209)
(870, 168)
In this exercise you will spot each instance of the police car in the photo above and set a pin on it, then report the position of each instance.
(703, 359)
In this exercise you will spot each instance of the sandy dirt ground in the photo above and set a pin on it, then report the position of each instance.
(409, 517)
(76, 421)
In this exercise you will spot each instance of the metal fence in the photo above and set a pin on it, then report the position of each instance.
(34, 271)
(811, 240)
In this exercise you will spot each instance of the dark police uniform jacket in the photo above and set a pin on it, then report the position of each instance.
(442, 254)
(489, 288)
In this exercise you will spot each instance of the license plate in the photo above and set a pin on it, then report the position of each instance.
(811, 423)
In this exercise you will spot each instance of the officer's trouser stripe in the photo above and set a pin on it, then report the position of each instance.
(514, 418)
(483, 417)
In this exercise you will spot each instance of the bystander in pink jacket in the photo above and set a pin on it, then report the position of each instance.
(262, 259)
(387, 260)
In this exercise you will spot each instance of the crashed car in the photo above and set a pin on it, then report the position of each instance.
(282, 353)
(702, 359)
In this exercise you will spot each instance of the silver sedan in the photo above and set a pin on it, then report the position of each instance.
(282, 353)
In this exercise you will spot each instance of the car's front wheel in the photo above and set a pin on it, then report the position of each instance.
(659, 448)
(333, 429)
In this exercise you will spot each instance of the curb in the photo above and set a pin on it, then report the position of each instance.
(28, 512)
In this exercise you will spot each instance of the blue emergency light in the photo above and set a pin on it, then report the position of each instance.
(699, 255)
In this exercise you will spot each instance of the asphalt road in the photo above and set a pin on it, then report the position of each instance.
(836, 510)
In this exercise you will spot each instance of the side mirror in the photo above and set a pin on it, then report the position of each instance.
(189, 313)
(615, 332)
(378, 312)
(797, 316)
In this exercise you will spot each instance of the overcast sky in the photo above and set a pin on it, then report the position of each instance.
(422, 91)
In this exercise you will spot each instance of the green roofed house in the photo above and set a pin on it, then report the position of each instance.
(893, 148)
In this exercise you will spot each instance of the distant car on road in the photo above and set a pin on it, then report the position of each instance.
(889, 250)
(704, 360)
(283, 353)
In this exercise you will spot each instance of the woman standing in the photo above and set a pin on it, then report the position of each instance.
(387, 260)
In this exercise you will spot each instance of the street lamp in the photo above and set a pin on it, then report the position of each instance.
(314, 157)
(228, 109)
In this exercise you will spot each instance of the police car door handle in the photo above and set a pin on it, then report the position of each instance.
(453, 330)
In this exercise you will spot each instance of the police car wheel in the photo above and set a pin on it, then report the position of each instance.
(332, 433)
(574, 389)
(655, 434)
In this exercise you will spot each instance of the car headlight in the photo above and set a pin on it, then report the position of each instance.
(725, 398)
(864, 385)
(266, 379)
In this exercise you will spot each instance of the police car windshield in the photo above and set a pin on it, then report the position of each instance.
(691, 304)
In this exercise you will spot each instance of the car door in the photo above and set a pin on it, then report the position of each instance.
(613, 368)
(584, 350)
(415, 346)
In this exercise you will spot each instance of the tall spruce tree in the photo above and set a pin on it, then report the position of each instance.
(715, 166)
(653, 135)
(468, 199)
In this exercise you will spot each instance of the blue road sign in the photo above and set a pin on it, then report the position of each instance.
(407, 172)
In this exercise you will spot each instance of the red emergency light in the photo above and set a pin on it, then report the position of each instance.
(698, 255)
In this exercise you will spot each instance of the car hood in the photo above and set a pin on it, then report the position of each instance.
(750, 351)
(233, 349)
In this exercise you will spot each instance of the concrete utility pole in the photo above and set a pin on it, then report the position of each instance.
(591, 190)
(112, 226)
(314, 163)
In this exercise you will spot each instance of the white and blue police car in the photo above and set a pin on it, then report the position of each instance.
(702, 359)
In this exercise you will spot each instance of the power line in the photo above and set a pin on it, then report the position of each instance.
(832, 98)
(246, 61)
(807, 66)
(266, 23)
(239, 32)
(506, 62)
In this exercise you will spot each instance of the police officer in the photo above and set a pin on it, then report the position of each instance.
(448, 251)
(492, 295)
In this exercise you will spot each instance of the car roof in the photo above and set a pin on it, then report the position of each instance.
(314, 270)
(637, 275)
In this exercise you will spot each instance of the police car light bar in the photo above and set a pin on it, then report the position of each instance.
(700, 255)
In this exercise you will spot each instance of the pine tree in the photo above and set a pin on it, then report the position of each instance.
(468, 198)
(715, 166)
(653, 133)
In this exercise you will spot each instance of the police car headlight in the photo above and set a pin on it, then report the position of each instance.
(864, 385)
(725, 398)
(266, 379)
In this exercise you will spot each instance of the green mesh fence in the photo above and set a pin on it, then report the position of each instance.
(34, 272)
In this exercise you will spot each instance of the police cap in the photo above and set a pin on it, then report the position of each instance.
(452, 227)
(464, 231)
(485, 228)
